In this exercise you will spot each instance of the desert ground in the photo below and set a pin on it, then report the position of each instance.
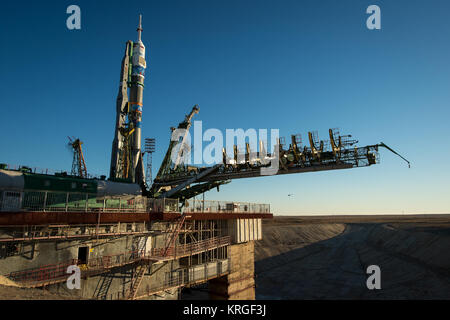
(311, 257)
(10, 291)
(327, 257)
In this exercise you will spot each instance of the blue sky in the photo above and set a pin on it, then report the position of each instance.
(293, 65)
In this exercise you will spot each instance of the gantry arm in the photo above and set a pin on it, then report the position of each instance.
(381, 144)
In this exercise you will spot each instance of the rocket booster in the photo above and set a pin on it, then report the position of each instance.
(121, 105)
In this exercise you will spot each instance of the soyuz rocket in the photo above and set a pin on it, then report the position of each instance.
(126, 155)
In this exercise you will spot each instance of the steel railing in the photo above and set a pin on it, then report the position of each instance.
(163, 205)
(212, 206)
(190, 248)
(44, 273)
(30, 200)
(54, 272)
(58, 272)
(186, 276)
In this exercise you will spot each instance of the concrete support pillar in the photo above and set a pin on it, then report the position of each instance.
(239, 284)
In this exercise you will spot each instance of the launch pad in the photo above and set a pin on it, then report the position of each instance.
(136, 240)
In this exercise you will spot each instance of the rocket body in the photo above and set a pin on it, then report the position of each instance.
(135, 107)
(126, 155)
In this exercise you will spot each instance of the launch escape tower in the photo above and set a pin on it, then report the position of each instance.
(133, 240)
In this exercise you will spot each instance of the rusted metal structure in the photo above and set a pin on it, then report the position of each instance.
(78, 163)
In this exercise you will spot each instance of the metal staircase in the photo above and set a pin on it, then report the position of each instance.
(140, 270)
(174, 235)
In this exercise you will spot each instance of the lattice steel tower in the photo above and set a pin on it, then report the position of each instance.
(78, 163)
(149, 149)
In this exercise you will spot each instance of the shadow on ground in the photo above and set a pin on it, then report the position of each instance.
(414, 262)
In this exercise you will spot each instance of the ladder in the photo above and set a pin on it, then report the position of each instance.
(174, 234)
(136, 282)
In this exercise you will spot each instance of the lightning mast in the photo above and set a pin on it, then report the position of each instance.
(78, 163)
(149, 149)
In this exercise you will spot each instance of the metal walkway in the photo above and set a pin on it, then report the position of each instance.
(56, 273)
(186, 277)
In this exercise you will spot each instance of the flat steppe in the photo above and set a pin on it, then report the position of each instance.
(326, 257)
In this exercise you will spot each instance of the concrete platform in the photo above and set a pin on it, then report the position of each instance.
(20, 218)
